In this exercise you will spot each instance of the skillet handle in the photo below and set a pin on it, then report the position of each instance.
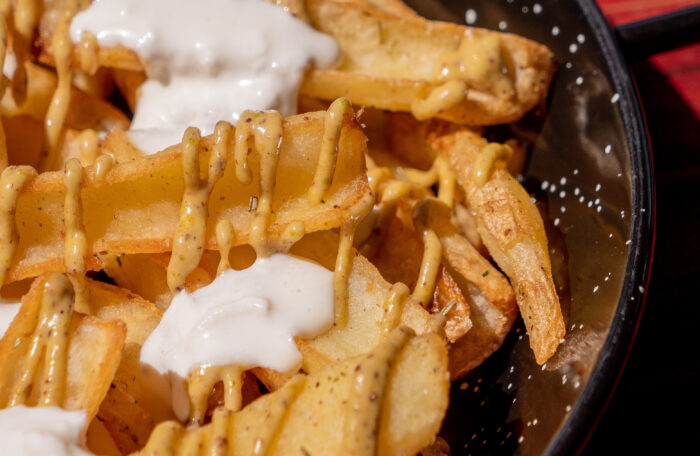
(642, 39)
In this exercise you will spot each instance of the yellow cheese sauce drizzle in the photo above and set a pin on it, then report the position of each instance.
(430, 264)
(225, 237)
(103, 164)
(217, 437)
(49, 343)
(328, 156)
(11, 182)
(263, 131)
(390, 190)
(201, 382)
(87, 53)
(360, 433)
(343, 262)
(487, 158)
(58, 107)
(393, 307)
(26, 18)
(89, 146)
(188, 244)
(441, 98)
(363, 409)
(75, 247)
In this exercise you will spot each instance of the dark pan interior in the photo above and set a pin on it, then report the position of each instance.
(590, 168)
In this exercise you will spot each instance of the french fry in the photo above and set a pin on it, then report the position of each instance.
(399, 259)
(311, 414)
(389, 62)
(490, 297)
(129, 412)
(367, 292)
(93, 353)
(136, 208)
(84, 111)
(410, 139)
(512, 230)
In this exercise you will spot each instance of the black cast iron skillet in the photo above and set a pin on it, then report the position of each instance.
(591, 169)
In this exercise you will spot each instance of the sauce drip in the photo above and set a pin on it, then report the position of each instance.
(11, 182)
(87, 53)
(329, 150)
(244, 318)
(393, 307)
(103, 164)
(225, 236)
(58, 107)
(216, 438)
(432, 254)
(89, 146)
(75, 247)
(25, 20)
(487, 158)
(480, 62)
(188, 244)
(343, 262)
(262, 131)
(49, 342)
(441, 98)
(367, 394)
(200, 383)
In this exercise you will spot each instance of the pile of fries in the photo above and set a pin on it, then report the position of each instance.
(435, 245)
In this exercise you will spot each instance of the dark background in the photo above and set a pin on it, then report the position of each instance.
(656, 404)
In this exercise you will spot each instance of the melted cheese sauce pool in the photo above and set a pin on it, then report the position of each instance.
(29, 431)
(207, 60)
(248, 318)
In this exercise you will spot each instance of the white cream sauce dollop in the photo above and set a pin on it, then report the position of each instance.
(248, 317)
(207, 60)
(39, 431)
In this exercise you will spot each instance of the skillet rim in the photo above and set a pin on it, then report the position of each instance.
(579, 426)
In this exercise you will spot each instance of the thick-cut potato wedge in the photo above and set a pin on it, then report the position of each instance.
(24, 136)
(512, 230)
(146, 275)
(84, 110)
(389, 61)
(310, 414)
(395, 7)
(367, 292)
(398, 259)
(410, 139)
(128, 83)
(136, 208)
(93, 354)
(129, 411)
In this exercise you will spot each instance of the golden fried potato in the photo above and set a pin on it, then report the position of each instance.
(397, 408)
(512, 230)
(84, 111)
(398, 259)
(93, 352)
(433, 69)
(410, 139)
(129, 412)
(490, 297)
(136, 208)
